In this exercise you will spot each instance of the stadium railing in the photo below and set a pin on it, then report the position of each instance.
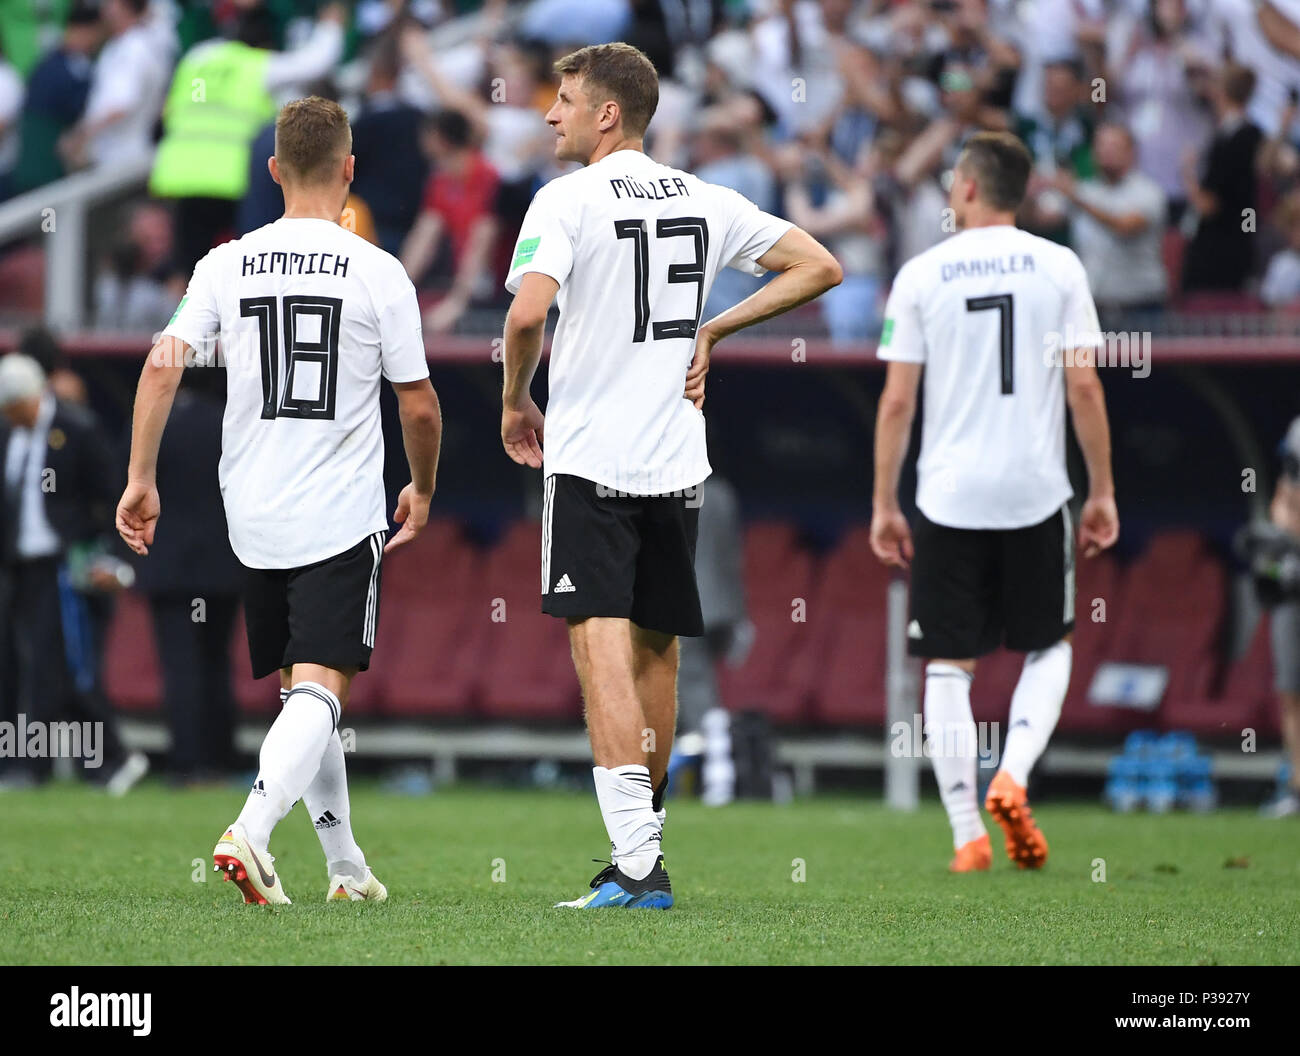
(61, 210)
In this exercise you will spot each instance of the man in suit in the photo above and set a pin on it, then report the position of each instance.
(58, 492)
(192, 582)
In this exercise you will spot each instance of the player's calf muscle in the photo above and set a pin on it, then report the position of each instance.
(616, 723)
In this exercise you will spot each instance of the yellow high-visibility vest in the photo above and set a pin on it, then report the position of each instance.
(215, 108)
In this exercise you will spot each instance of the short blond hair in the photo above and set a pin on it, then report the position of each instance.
(619, 72)
(312, 136)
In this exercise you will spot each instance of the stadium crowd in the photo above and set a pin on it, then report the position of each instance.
(1164, 131)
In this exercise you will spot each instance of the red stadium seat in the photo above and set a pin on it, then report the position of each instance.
(778, 675)
(427, 645)
(1169, 612)
(132, 679)
(1248, 691)
(253, 696)
(850, 620)
(525, 672)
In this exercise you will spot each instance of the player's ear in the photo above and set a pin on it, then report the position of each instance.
(349, 166)
(273, 168)
(609, 115)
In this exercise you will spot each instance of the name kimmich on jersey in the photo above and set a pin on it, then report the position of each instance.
(985, 312)
(309, 317)
(635, 247)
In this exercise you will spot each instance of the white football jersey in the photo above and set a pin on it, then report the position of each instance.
(309, 317)
(635, 247)
(988, 312)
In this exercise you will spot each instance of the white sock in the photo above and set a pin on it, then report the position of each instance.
(290, 757)
(1035, 707)
(950, 740)
(626, 804)
(327, 802)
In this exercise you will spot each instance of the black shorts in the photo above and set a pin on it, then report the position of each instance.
(628, 556)
(325, 613)
(976, 589)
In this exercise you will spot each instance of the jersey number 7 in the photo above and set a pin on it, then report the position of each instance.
(694, 227)
(1006, 328)
(316, 355)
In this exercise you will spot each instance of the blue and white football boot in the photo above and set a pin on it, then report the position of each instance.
(611, 887)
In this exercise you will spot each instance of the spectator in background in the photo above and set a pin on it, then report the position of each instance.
(1160, 82)
(391, 170)
(1281, 285)
(1053, 31)
(576, 22)
(63, 381)
(263, 202)
(457, 212)
(1118, 227)
(719, 155)
(1221, 255)
(922, 163)
(794, 69)
(1264, 36)
(56, 98)
(1059, 139)
(846, 223)
(191, 580)
(49, 642)
(131, 292)
(203, 160)
(126, 91)
(11, 108)
(506, 119)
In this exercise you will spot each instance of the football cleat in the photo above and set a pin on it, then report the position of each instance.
(350, 889)
(972, 856)
(254, 874)
(611, 887)
(1007, 802)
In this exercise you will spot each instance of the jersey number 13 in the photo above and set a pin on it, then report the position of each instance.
(693, 227)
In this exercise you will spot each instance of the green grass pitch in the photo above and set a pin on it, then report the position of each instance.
(88, 880)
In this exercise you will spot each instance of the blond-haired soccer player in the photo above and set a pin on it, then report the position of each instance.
(631, 248)
(310, 318)
(994, 317)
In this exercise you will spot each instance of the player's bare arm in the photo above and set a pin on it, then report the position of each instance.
(521, 419)
(1099, 519)
(421, 418)
(138, 509)
(805, 270)
(891, 539)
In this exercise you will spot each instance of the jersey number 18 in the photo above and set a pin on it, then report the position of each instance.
(301, 354)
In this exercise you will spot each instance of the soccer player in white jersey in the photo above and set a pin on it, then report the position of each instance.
(994, 317)
(310, 318)
(631, 247)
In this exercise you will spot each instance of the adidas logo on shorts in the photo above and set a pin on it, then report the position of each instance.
(565, 585)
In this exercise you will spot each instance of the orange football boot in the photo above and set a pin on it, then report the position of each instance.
(972, 856)
(1007, 802)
